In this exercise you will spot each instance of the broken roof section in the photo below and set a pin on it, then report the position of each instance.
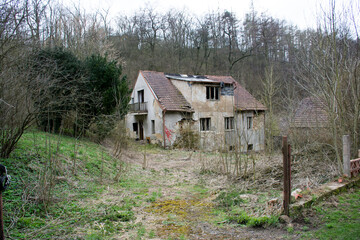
(168, 95)
(172, 99)
(310, 113)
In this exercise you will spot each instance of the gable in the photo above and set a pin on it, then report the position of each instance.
(169, 97)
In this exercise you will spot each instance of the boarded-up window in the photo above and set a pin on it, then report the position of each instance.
(229, 123)
(205, 124)
(212, 93)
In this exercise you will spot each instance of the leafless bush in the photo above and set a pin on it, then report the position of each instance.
(188, 137)
(119, 142)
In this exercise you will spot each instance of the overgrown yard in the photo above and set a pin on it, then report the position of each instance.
(64, 188)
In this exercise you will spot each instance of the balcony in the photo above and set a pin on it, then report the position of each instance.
(138, 108)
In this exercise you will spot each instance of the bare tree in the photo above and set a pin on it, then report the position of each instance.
(328, 71)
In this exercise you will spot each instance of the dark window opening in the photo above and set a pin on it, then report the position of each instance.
(205, 124)
(153, 126)
(249, 122)
(212, 93)
(229, 123)
(141, 96)
(250, 147)
(135, 127)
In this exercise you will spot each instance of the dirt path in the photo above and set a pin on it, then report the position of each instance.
(179, 203)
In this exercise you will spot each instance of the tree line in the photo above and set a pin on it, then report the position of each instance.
(274, 60)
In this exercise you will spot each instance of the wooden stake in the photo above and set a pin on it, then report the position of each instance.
(287, 175)
(346, 155)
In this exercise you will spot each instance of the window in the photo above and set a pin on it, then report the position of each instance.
(205, 124)
(250, 147)
(153, 126)
(229, 123)
(141, 96)
(212, 93)
(135, 128)
(249, 122)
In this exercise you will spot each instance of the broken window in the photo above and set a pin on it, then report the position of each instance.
(249, 122)
(229, 123)
(205, 124)
(212, 93)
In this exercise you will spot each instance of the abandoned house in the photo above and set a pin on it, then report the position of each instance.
(216, 108)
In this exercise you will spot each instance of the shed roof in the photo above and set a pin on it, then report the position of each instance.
(310, 113)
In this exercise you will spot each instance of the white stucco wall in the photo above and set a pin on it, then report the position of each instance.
(154, 112)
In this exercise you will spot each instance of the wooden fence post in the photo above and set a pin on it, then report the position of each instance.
(287, 175)
(346, 155)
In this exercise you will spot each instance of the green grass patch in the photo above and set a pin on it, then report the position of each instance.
(229, 198)
(341, 221)
(54, 180)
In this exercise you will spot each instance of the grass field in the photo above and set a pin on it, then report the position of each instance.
(66, 188)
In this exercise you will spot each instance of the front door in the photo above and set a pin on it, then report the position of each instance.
(141, 130)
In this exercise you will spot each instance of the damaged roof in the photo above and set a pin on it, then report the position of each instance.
(172, 99)
(310, 113)
(168, 95)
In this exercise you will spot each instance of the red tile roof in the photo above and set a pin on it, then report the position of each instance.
(245, 101)
(168, 95)
(310, 113)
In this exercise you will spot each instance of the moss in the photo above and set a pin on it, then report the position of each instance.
(179, 215)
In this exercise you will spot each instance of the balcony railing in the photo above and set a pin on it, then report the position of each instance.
(140, 107)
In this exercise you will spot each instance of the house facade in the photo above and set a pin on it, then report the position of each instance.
(221, 112)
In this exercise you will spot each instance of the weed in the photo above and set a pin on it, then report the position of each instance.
(305, 228)
(241, 217)
(152, 234)
(141, 232)
(154, 196)
(290, 229)
(228, 199)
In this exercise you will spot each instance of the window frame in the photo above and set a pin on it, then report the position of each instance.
(249, 122)
(205, 124)
(212, 93)
(229, 123)
(152, 126)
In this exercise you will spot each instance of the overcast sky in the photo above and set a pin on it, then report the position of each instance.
(298, 12)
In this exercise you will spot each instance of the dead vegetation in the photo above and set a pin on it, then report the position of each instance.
(241, 186)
